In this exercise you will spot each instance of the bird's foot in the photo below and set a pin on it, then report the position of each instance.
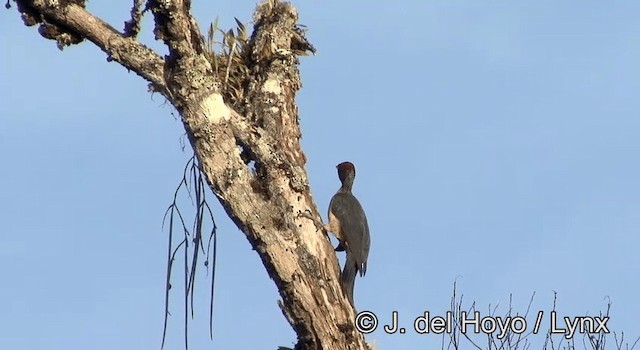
(307, 214)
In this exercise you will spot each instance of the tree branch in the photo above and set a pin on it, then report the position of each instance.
(73, 19)
(177, 28)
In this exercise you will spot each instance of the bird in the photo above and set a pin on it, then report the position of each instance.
(348, 222)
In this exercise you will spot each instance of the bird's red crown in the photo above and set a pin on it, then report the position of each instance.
(345, 169)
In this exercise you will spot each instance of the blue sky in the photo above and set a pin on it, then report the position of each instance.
(496, 143)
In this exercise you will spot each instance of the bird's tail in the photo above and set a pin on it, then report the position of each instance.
(348, 278)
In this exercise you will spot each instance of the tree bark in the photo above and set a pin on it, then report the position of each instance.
(249, 151)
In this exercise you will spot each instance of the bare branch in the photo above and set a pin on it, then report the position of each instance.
(132, 26)
(177, 28)
(73, 20)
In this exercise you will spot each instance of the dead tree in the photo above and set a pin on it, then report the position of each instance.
(246, 142)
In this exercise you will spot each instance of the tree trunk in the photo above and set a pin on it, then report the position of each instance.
(249, 150)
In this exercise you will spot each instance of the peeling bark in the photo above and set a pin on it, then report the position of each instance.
(253, 161)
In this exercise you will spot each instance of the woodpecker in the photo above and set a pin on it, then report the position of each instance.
(348, 223)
